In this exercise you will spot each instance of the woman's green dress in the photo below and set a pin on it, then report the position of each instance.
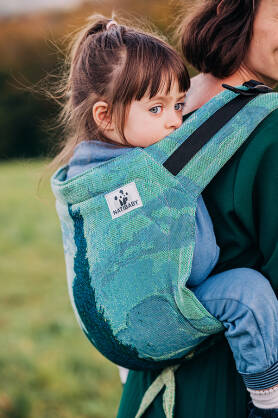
(243, 203)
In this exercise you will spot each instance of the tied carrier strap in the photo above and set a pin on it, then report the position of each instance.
(201, 136)
(182, 162)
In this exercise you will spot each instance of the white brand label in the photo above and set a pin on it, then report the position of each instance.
(123, 200)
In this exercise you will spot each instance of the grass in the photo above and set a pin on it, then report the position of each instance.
(48, 368)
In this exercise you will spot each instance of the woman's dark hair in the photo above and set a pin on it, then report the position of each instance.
(215, 37)
(117, 64)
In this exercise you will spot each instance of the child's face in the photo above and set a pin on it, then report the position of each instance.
(150, 120)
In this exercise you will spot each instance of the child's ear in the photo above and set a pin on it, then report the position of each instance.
(101, 116)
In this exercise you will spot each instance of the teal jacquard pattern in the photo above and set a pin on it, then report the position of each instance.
(128, 230)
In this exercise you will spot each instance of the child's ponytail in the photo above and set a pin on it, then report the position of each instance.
(96, 24)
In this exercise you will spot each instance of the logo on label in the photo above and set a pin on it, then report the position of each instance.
(123, 200)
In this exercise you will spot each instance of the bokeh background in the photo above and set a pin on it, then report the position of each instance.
(48, 369)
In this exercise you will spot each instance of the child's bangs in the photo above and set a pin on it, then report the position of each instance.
(160, 76)
(153, 69)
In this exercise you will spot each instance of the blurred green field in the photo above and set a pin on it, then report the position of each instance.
(48, 369)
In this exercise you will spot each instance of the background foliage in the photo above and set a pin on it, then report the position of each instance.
(48, 367)
(32, 46)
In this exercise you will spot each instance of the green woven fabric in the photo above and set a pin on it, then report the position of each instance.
(242, 200)
(127, 267)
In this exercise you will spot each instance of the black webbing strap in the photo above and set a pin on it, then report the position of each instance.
(183, 154)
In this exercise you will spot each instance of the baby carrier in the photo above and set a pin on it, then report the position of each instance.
(128, 229)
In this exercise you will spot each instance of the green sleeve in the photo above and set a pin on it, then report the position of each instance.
(256, 195)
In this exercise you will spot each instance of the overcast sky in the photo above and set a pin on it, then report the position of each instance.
(8, 7)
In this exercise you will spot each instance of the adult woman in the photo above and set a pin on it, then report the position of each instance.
(228, 41)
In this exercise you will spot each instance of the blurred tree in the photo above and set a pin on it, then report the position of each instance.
(21, 116)
(29, 49)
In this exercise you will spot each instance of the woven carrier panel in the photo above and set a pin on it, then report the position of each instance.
(127, 274)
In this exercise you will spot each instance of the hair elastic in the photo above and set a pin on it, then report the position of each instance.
(110, 24)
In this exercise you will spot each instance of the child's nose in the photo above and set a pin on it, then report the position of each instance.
(174, 121)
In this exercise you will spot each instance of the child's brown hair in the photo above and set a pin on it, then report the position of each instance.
(117, 64)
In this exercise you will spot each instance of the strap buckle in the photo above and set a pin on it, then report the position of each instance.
(254, 88)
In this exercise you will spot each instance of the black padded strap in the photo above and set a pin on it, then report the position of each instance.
(186, 151)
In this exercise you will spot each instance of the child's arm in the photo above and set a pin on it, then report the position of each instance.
(206, 252)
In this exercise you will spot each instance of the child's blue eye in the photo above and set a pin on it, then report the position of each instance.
(179, 106)
(156, 109)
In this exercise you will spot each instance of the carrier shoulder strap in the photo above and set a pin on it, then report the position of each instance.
(201, 168)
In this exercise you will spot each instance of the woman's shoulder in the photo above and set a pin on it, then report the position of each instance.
(256, 172)
(266, 132)
(241, 170)
(250, 176)
(260, 148)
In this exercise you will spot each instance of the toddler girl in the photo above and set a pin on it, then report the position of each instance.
(126, 89)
